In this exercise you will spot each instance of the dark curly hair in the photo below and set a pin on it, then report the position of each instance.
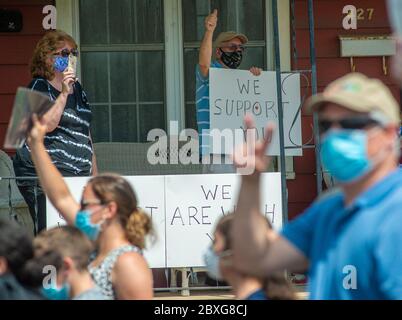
(50, 42)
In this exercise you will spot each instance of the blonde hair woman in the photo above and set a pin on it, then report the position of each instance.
(108, 214)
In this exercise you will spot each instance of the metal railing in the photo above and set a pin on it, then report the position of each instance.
(12, 213)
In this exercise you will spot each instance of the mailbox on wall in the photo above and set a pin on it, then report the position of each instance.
(367, 46)
(10, 20)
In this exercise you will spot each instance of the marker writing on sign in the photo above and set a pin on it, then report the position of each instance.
(193, 215)
(239, 108)
(223, 191)
(270, 215)
(230, 107)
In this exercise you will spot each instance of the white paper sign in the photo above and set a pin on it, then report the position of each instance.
(194, 204)
(234, 93)
(76, 186)
(150, 195)
(185, 210)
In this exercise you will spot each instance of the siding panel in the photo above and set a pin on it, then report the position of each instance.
(330, 66)
(15, 54)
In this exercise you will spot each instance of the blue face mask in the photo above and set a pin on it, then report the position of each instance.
(60, 63)
(83, 222)
(344, 154)
(62, 293)
(211, 261)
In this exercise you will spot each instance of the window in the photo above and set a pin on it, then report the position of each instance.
(123, 67)
(123, 58)
(232, 15)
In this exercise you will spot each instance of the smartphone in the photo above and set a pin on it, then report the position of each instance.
(72, 64)
(395, 15)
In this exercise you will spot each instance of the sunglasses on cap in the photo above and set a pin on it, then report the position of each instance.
(65, 53)
(350, 123)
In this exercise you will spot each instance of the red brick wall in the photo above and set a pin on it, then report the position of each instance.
(15, 54)
(328, 18)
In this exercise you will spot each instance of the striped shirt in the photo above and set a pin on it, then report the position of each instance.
(202, 106)
(69, 145)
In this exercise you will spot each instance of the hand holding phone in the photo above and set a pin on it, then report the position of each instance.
(70, 75)
(72, 64)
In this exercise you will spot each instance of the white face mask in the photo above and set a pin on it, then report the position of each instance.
(211, 260)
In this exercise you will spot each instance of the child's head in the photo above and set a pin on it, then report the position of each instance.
(60, 254)
(276, 285)
(69, 242)
(222, 248)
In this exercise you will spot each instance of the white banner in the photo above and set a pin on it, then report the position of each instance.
(150, 191)
(185, 210)
(76, 186)
(234, 93)
(194, 204)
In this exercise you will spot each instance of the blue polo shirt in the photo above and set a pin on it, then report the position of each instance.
(202, 106)
(355, 252)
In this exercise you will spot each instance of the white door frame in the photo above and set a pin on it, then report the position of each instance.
(174, 63)
(68, 21)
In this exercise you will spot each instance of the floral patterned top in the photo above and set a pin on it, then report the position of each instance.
(102, 274)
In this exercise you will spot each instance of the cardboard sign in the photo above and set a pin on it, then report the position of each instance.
(234, 93)
(26, 103)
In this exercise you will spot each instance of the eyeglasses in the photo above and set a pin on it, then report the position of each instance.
(84, 204)
(65, 53)
(351, 123)
(235, 47)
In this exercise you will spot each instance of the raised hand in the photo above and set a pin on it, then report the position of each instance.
(255, 71)
(249, 158)
(37, 133)
(211, 21)
(68, 80)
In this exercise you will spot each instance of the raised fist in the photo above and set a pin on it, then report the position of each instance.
(211, 21)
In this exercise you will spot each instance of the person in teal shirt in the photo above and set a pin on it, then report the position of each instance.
(349, 240)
